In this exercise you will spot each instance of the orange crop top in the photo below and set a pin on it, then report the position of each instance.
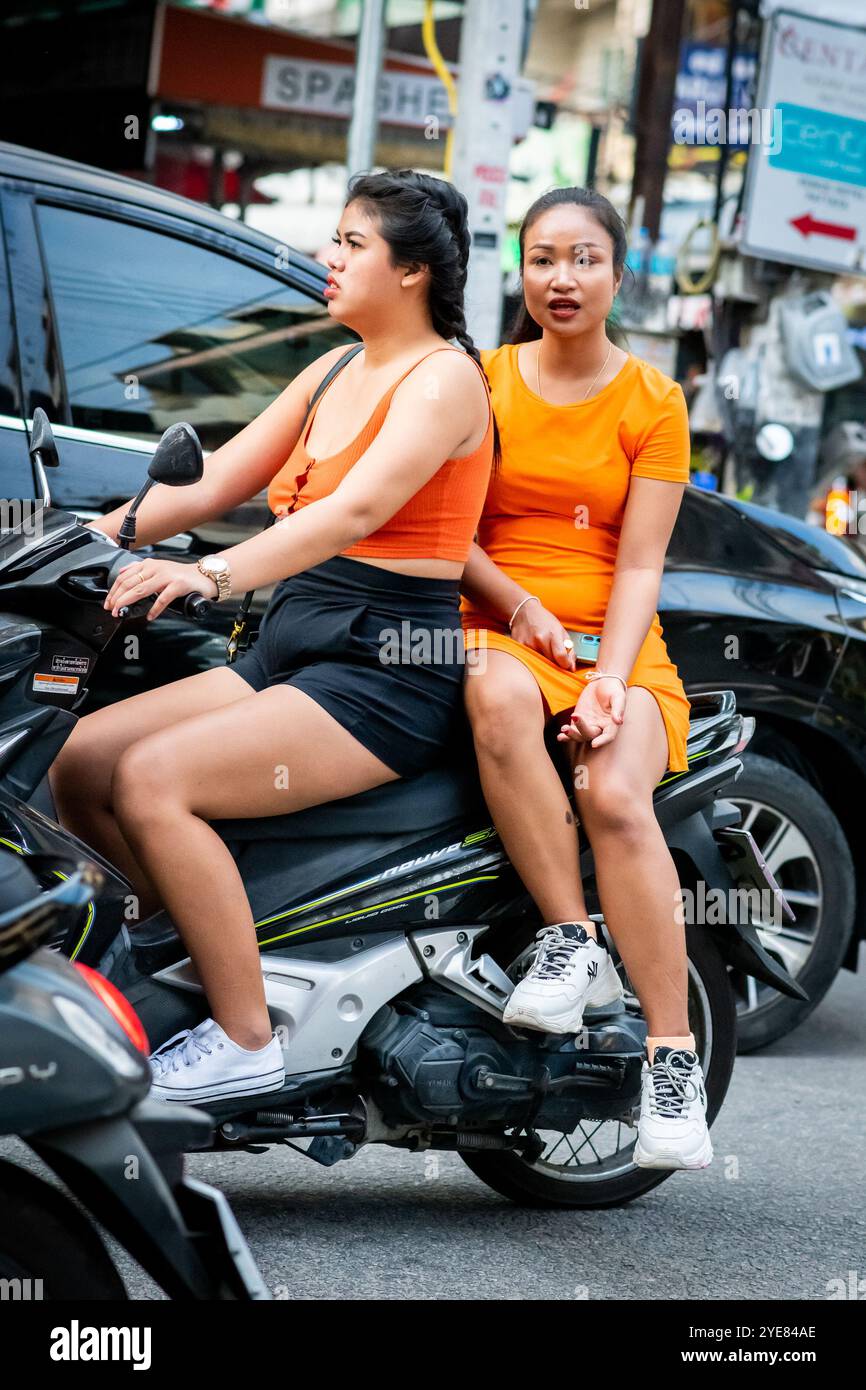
(438, 522)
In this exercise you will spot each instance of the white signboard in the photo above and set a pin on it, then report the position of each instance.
(805, 199)
(414, 99)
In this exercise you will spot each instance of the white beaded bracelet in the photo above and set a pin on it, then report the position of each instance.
(520, 605)
(607, 675)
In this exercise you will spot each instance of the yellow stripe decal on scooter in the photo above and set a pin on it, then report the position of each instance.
(477, 836)
(374, 907)
(91, 913)
(693, 759)
(317, 902)
(338, 893)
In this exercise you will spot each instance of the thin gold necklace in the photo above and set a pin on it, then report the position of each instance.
(591, 384)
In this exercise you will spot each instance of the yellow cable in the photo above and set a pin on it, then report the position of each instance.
(702, 284)
(431, 48)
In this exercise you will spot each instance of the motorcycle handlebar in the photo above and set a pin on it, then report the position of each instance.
(194, 606)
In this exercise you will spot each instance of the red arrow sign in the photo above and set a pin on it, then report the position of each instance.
(807, 224)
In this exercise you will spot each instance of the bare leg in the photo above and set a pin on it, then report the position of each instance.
(637, 878)
(522, 789)
(273, 753)
(80, 776)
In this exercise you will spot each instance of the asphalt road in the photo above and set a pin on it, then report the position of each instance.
(780, 1212)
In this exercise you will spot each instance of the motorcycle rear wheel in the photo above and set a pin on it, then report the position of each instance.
(612, 1179)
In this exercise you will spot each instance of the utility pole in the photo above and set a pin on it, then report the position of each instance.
(369, 57)
(490, 62)
(655, 101)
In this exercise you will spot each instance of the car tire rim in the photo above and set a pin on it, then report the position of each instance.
(791, 858)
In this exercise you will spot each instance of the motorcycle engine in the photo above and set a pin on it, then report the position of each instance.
(437, 1059)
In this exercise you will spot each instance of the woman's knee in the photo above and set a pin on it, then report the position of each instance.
(505, 713)
(614, 804)
(142, 778)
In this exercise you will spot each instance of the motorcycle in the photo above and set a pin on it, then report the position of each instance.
(74, 1078)
(391, 925)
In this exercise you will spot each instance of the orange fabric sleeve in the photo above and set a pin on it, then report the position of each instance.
(664, 450)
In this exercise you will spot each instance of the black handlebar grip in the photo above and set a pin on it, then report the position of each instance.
(196, 606)
(190, 605)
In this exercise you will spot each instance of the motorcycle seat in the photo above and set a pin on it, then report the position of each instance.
(411, 805)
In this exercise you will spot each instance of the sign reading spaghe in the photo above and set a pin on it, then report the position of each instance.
(805, 201)
(328, 89)
(405, 98)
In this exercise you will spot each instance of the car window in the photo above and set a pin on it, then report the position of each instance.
(154, 329)
(10, 401)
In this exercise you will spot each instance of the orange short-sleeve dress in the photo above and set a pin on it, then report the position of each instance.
(554, 510)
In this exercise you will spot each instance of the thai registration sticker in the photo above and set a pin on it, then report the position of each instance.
(50, 684)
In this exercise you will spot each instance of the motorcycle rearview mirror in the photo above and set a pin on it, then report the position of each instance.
(43, 451)
(42, 440)
(774, 442)
(178, 458)
(177, 461)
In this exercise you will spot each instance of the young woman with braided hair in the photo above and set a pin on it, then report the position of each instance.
(375, 526)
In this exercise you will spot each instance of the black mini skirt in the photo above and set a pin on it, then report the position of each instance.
(381, 652)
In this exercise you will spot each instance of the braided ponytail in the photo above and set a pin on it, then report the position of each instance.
(426, 220)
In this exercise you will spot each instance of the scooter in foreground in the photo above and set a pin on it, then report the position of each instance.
(74, 1082)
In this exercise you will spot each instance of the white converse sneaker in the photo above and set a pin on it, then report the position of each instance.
(672, 1131)
(571, 972)
(203, 1063)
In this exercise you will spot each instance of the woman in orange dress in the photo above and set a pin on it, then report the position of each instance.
(595, 456)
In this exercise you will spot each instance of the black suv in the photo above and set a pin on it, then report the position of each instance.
(124, 308)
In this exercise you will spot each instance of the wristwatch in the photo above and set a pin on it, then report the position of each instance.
(217, 570)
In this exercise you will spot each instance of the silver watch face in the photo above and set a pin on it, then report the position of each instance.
(216, 565)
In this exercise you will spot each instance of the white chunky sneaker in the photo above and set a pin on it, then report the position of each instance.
(672, 1131)
(203, 1063)
(571, 972)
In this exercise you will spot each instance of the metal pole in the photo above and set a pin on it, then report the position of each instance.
(369, 55)
(490, 56)
(724, 150)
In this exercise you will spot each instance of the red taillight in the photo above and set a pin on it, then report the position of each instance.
(121, 1008)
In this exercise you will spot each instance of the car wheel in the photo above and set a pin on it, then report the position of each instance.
(807, 851)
